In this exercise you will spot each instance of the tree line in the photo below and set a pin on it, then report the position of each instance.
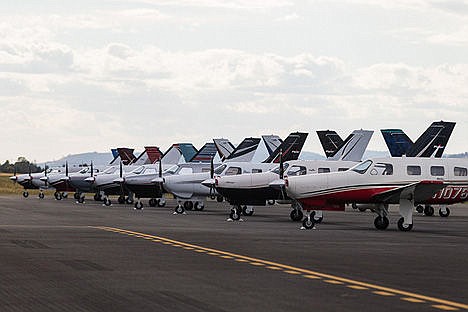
(22, 165)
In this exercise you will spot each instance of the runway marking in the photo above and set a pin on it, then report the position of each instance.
(273, 268)
(292, 272)
(414, 300)
(257, 263)
(357, 287)
(437, 303)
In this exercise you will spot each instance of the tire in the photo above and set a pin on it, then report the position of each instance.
(402, 227)
(76, 195)
(296, 215)
(58, 196)
(429, 211)
(80, 200)
(129, 201)
(235, 214)
(121, 200)
(25, 194)
(179, 209)
(246, 212)
(97, 197)
(198, 206)
(161, 202)
(152, 202)
(381, 223)
(41, 195)
(107, 202)
(308, 223)
(64, 195)
(271, 202)
(219, 199)
(420, 208)
(138, 205)
(444, 214)
(188, 205)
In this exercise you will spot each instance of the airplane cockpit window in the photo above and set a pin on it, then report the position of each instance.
(110, 170)
(323, 170)
(138, 170)
(256, 170)
(382, 169)
(277, 169)
(342, 169)
(460, 172)
(172, 170)
(437, 171)
(296, 171)
(220, 169)
(233, 171)
(413, 170)
(185, 170)
(84, 170)
(362, 167)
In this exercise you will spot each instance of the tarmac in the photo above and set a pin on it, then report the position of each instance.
(63, 256)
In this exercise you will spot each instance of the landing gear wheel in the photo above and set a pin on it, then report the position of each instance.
(188, 205)
(107, 202)
(246, 211)
(429, 211)
(152, 202)
(198, 206)
(235, 214)
(161, 202)
(41, 195)
(121, 200)
(420, 208)
(179, 209)
(354, 206)
(80, 200)
(308, 223)
(402, 226)
(296, 215)
(444, 214)
(271, 202)
(129, 201)
(219, 199)
(64, 195)
(58, 195)
(97, 197)
(76, 195)
(25, 194)
(381, 223)
(138, 205)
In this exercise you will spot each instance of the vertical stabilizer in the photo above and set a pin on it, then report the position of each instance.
(290, 148)
(354, 146)
(397, 141)
(272, 142)
(245, 151)
(224, 148)
(205, 154)
(179, 152)
(331, 142)
(126, 155)
(433, 141)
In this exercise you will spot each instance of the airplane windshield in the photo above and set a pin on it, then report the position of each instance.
(84, 170)
(171, 170)
(138, 170)
(109, 170)
(220, 169)
(277, 169)
(362, 167)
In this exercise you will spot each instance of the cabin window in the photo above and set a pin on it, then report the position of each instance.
(256, 170)
(362, 167)
(383, 169)
(220, 169)
(343, 169)
(297, 170)
(413, 170)
(437, 171)
(233, 171)
(186, 170)
(277, 169)
(460, 171)
(323, 170)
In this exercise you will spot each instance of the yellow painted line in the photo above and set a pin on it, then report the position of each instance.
(311, 276)
(445, 308)
(156, 240)
(383, 293)
(273, 268)
(414, 300)
(257, 263)
(440, 303)
(357, 287)
(213, 254)
(241, 260)
(199, 250)
(292, 272)
(331, 281)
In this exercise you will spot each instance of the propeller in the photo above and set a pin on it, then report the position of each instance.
(160, 175)
(281, 172)
(92, 169)
(122, 191)
(46, 182)
(212, 191)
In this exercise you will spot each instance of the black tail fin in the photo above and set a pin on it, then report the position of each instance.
(397, 141)
(205, 153)
(331, 142)
(271, 142)
(291, 148)
(224, 148)
(124, 154)
(433, 141)
(245, 151)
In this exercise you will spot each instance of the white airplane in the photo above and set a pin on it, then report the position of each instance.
(189, 188)
(379, 182)
(253, 189)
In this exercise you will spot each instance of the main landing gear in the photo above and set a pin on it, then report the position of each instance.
(308, 222)
(238, 210)
(60, 195)
(296, 215)
(41, 194)
(188, 205)
(160, 202)
(138, 204)
(429, 210)
(25, 194)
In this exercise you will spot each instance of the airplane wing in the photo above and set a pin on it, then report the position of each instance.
(422, 190)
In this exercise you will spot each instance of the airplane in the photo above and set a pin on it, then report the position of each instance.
(253, 189)
(31, 180)
(379, 182)
(141, 181)
(189, 188)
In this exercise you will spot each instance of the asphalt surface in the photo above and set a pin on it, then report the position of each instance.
(63, 256)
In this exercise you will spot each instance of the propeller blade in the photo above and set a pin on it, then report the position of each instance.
(92, 169)
(121, 169)
(66, 169)
(212, 168)
(281, 168)
(160, 168)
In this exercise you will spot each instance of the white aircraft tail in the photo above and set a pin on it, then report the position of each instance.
(354, 146)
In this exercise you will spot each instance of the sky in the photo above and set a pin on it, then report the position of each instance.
(82, 76)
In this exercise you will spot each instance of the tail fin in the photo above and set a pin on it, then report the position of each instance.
(115, 154)
(126, 155)
(174, 154)
(397, 141)
(245, 151)
(354, 146)
(433, 141)
(149, 156)
(290, 148)
(271, 142)
(224, 148)
(205, 153)
(331, 142)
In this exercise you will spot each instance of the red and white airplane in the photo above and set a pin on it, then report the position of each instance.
(379, 182)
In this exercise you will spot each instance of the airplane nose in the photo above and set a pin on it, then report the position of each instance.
(14, 178)
(208, 182)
